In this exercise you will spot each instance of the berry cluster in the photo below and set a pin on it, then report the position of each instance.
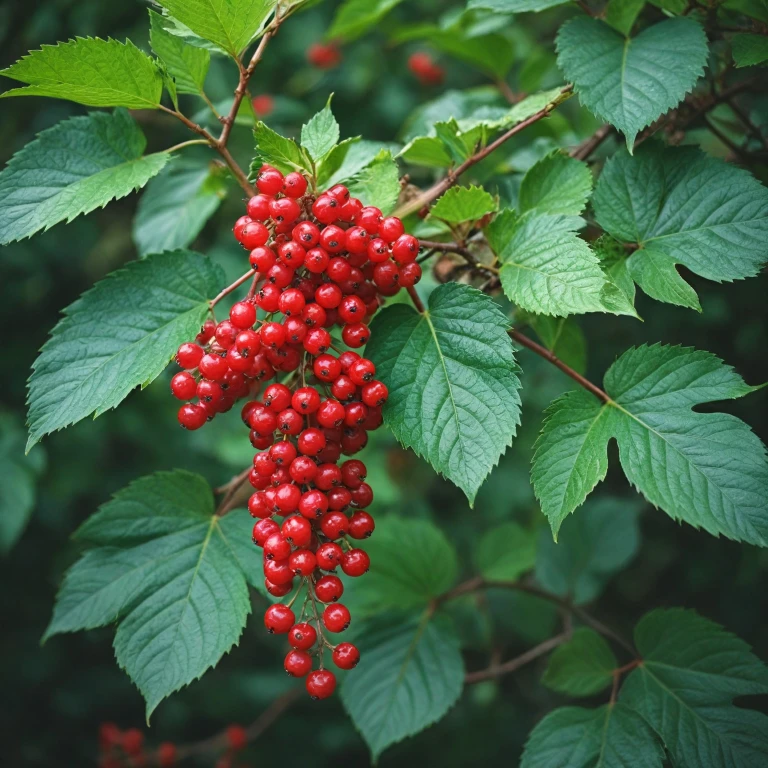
(319, 262)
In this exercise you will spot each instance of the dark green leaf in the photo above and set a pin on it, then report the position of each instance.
(581, 667)
(506, 552)
(749, 50)
(557, 184)
(356, 17)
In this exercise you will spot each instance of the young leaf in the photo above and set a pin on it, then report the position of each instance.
(545, 267)
(90, 71)
(187, 64)
(707, 469)
(591, 547)
(428, 151)
(622, 14)
(692, 670)
(452, 378)
(176, 205)
(274, 149)
(506, 552)
(320, 135)
(414, 564)
(117, 336)
(379, 181)
(611, 736)
(347, 159)
(557, 184)
(581, 667)
(164, 568)
(629, 82)
(749, 50)
(74, 167)
(683, 207)
(356, 17)
(410, 674)
(461, 204)
(231, 25)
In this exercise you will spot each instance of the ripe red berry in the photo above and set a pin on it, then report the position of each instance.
(330, 414)
(297, 530)
(311, 441)
(278, 572)
(313, 504)
(329, 588)
(355, 562)
(258, 208)
(375, 393)
(240, 225)
(236, 736)
(253, 235)
(283, 453)
(298, 663)
(355, 335)
(346, 656)
(242, 314)
(166, 754)
(321, 684)
(278, 590)
(285, 210)
(278, 619)
(294, 185)
(183, 386)
(263, 530)
(277, 397)
(189, 355)
(302, 636)
(326, 208)
(270, 180)
(362, 496)
(192, 416)
(405, 249)
(334, 525)
(361, 525)
(369, 219)
(302, 562)
(276, 547)
(323, 56)
(132, 741)
(305, 400)
(336, 617)
(329, 295)
(329, 555)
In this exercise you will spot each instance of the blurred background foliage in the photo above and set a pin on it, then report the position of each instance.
(57, 695)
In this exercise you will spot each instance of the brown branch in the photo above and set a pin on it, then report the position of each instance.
(230, 490)
(240, 280)
(558, 363)
(584, 150)
(445, 184)
(715, 131)
(416, 299)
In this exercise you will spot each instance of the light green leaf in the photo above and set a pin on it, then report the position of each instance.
(629, 82)
(410, 674)
(506, 552)
(611, 736)
(707, 469)
(591, 547)
(452, 378)
(90, 71)
(426, 150)
(274, 149)
(545, 267)
(557, 184)
(581, 667)
(622, 14)
(74, 167)
(378, 182)
(461, 204)
(692, 670)
(117, 336)
(230, 24)
(355, 17)
(414, 563)
(683, 207)
(749, 50)
(515, 6)
(619, 292)
(187, 64)
(347, 159)
(321, 133)
(176, 205)
(563, 337)
(164, 569)
(20, 477)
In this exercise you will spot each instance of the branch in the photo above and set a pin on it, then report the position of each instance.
(557, 362)
(588, 146)
(445, 184)
(240, 280)
(416, 299)
(497, 670)
(230, 490)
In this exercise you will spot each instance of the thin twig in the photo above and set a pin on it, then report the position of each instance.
(497, 670)
(744, 117)
(230, 288)
(183, 144)
(715, 131)
(584, 150)
(416, 299)
(230, 490)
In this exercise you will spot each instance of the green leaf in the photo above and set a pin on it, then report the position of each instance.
(347, 159)
(749, 50)
(176, 205)
(611, 736)
(356, 17)
(90, 71)
(515, 6)
(320, 135)
(622, 14)
(410, 674)
(592, 546)
(557, 184)
(163, 568)
(506, 552)
(187, 64)
(707, 469)
(563, 337)
(452, 378)
(74, 167)
(581, 667)
(274, 149)
(692, 670)
(20, 477)
(231, 24)
(619, 291)
(414, 564)
(629, 82)
(117, 336)
(378, 182)
(683, 207)
(428, 151)
(460, 204)
(545, 267)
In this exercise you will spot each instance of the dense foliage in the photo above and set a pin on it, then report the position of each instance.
(570, 492)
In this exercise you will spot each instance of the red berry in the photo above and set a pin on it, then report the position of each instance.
(263, 530)
(323, 57)
(336, 617)
(242, 314)
(362, 496)
(278, 619)
(302, 562)
(316, 260)
(294, 185)
(361, 525)
(262, 259)
(340, 192)
(278, 572)
(321, 684)
(132, 741)
(276, 547)
(326, 367)
(284, 210)
(306, 400)
(325, 209)
(253, 235)
(355, 562)
(329, 588)
(329, 555)
(353, 473)
(183, 386)
(297, 530)
(278, 590)
(391, 228)
(189, 355)
(375, 393)
(334, 525)
(313, 504)
(277, 397)
(311, 441)
(297, 663)
(237, 738)
(192, 416)
(329, 295)
(240, 225)
(346, 656)
(330, 414)
(283, 453)
(270, 180)
(369, 219)
(166, 754)
(302, 636)
(355, 335)
(405, 249)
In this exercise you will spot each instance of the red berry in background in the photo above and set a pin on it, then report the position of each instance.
(329, 588)
(336, 617)
(297, 663)
(323, 56)
(109, 736)
(278, 619)
(346, 656)
(263, 105)
(355, 562)
(425, 69)
(132, 741)
(321, 684)
(236, 737)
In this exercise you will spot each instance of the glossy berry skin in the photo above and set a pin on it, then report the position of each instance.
(302, 636)
(302, 562)
(242, 314)
(276, 547)
(355, 562)
(329, 555)
(278, 572)
(269, 181)
(258, 208)
(192, 416)
(329, 588)
(336, 617)
(278, 590)
(263, 530)
(189, 356)
(334, 525)
(361, 525)
(294, 185)
(346, 656)
(321, 683)
(278, 619)
(297, 663)
(297, 530)
(183, 386)
(253, 235)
